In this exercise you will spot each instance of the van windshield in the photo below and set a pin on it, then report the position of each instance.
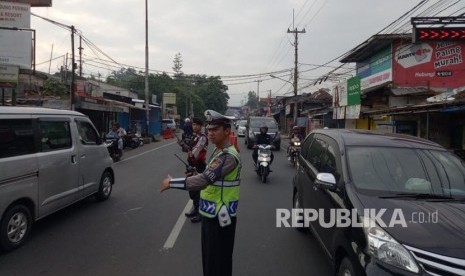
(407, 170)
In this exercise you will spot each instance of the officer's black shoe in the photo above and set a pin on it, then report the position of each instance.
(197, 218)
(191, 213)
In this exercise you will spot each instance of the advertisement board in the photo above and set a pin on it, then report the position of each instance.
(429, 64)
(16, 48)
(15, 15)
(340, 94)
(376, 70)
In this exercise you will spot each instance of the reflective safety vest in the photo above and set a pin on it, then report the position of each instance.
(224, 191)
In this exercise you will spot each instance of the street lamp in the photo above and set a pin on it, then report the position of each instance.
(294, 85)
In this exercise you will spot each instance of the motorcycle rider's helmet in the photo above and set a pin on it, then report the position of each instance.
(263, 129)
(187, 120)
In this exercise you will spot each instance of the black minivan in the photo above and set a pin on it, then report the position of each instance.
(404, 198)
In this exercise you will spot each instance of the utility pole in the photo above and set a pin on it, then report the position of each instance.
(296, 39)
(258, 94)
(147, 111)
(73, 68)
(80, 56)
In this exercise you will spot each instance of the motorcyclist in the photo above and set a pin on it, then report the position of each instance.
(295, 134)
(116, 133)
(263, 138)
(188, 131)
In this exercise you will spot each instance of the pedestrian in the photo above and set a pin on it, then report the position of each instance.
(196, 157)
(219, 197)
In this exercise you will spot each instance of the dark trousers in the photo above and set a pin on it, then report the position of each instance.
(195, 195)
(217, 247)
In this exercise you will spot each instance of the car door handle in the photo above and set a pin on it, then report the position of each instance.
(83, 156)
(73, 159)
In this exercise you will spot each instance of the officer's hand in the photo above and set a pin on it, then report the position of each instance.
(165, 184)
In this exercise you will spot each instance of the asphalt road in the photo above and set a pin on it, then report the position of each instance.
(134, 232)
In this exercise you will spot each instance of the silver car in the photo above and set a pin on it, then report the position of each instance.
(49, 159)
(241, 128)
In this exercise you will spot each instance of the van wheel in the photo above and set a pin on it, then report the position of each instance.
(106, 186)
(15, 227)
(346, 268)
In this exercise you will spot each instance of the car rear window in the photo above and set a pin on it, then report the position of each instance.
(270, 123)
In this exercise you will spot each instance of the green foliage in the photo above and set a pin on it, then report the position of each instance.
(53, 87)
(202, 91)
(252, 100)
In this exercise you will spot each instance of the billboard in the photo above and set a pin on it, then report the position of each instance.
(16, 48)
(429, 64)
(15, 15)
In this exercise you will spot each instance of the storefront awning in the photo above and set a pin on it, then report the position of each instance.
(416, 91)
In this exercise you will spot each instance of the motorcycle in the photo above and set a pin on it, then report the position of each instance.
(294, 150)
(113, 147)
(263, 161)
(132, 140)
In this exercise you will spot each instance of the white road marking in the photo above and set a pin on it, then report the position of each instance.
(140, 154)
(177, 227)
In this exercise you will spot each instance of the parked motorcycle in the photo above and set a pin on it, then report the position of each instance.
(132, 140)
(113, 146)
(294, 150)
(263, 161)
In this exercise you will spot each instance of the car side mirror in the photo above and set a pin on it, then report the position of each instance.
(326, 181)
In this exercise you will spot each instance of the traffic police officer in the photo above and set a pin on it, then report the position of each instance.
(196, 157)
(219, 197)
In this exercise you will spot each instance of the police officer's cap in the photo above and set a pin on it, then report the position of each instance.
(215, 119)
(197, 121)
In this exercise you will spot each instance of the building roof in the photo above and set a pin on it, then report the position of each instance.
(372, 46)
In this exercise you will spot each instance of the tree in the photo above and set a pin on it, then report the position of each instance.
(177, 64)
(252, 101)
(53, 87)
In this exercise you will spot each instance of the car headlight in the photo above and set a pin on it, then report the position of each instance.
(386, 249)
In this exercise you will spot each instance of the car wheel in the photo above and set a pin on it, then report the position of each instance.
(105, 187)
(297, 204)
(346, 268)
(15, 227)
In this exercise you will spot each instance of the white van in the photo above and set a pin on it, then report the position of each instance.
(49, 159)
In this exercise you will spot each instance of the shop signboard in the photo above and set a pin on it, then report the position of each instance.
(429, 64)
(353, 90)
(33, 3)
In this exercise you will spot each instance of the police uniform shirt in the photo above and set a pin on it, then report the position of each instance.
(222, 165)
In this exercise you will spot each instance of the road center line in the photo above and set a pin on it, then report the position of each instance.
(177, 227)
(145, 152)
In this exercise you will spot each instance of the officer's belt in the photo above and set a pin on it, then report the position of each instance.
(226, 183)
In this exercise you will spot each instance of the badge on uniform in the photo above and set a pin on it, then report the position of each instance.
(223, 216)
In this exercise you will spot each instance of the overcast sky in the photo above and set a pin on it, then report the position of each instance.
(231, 39)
